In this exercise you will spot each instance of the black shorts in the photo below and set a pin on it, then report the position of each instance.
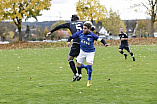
(126, 47)
(74, 50)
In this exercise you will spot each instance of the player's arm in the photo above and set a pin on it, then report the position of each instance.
(66, 25)
(75, 35)
(103, 41)
(100, 40)
(124, 38)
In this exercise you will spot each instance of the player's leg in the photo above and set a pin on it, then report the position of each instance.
(79, 71)
(132, 55)
(90, 59)
(122, 52)
(90, 70)
(72, 53)
(72, 64)
(80, 60)
(83, 66)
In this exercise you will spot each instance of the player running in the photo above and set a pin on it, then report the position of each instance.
(124, 44)
(73, 26)
(87, 50)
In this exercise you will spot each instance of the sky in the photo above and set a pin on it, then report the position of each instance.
(63, 9)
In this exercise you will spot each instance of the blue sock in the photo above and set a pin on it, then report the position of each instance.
(90, 69)
(84, 66)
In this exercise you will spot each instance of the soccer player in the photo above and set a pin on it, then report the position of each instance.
(73, 26)
(124, 44)
(87, 50)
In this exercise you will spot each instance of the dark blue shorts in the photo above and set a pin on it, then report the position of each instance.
(74, 50)
(126, 47)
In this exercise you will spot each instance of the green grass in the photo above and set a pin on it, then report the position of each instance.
(43, 76)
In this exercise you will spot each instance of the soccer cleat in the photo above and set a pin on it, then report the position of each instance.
(88, 83)
(79, 77)
(125, 56)
(87, 70)
(75, 77)
(133, 58)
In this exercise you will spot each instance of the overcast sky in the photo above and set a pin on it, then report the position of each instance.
(63, 9)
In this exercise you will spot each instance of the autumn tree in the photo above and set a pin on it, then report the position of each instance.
(91, 10)
(17, 10)
(151, 9)
(143, 28)
(45, 31)
(112, 23)
(28, 32)
(3, 32)
(40, 31)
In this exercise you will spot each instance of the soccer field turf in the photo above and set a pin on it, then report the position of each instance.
(43, 76)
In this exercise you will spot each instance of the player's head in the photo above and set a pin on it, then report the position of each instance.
(74, 17)
(121, 30)
(86, 27)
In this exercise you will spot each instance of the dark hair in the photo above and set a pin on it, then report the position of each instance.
(88, 25)
(74, 17)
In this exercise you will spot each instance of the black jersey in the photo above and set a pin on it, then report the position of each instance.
(72, 26)
(123, 42)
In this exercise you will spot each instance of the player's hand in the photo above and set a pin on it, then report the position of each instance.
(68, 44)
(107, 45)
(48, 34)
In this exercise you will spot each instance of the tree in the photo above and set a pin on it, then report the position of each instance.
(40, 31)
(45, 31)
(28, 32)
(151, 6)
(3, 32)
(16, 10)
(143, 27)
(152, 11)
(112, 22)
(11, 34)
(91, 10)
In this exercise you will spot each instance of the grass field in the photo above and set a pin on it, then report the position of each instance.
(43, 76)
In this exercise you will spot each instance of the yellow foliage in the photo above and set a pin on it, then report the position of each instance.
(16, 10)
(11, 34)
(3, 34)
(91, 10)
(45, 31)
(112, 23)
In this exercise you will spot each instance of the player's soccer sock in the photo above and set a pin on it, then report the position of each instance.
(132, 54)
(84, 66)
(122, 52)
(72, 66)
(90, 69)
(79, 70)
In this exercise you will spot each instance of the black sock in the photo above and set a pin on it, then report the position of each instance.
(132, 54)
(122, 52)
(72, 66)
(79, 70)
